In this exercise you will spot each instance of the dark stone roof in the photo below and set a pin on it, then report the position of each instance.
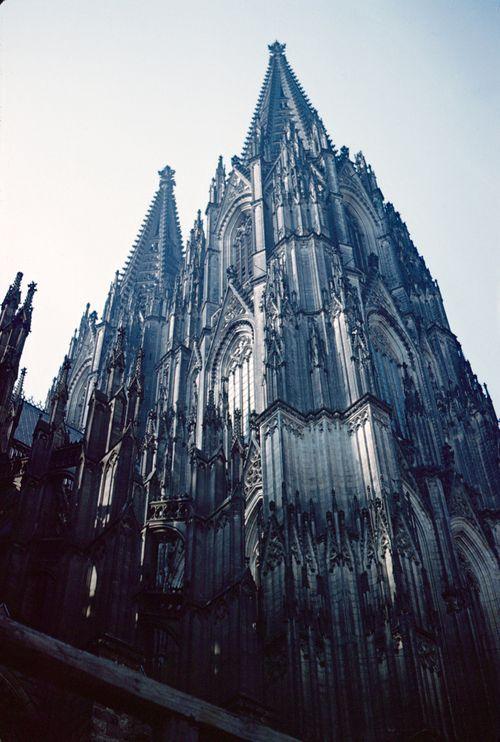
(28, 420)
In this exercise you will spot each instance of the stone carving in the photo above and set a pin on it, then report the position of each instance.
(232, 311)
(316, 344)
(428, 654)
(175, 509)
(253, 475)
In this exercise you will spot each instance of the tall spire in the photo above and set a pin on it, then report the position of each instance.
(281, 99)
(157, 251)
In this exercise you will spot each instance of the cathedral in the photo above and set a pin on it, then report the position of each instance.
(265, 482)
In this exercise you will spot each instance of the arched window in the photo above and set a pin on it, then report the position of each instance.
(390, 359)
(357, 239)
(242, 248)
(238, 382)
(78, 396)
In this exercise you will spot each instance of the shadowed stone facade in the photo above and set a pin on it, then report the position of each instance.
(284, 496)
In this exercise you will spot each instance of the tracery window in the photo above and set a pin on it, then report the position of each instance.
(238, 379)
(242, 248)
(170, 559)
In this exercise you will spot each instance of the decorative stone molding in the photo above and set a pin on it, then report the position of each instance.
(178, 509)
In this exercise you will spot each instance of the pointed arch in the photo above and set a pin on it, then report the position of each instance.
(237, 239)
(484, 575)
(361, 224)
(390, 356)
(78, 394)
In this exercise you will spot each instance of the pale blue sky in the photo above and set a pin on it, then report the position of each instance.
(96, 96)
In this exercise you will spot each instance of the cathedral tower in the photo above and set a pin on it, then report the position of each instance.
(285, 499)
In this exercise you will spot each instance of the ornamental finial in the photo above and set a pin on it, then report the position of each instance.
(167, 175)
(276, 49)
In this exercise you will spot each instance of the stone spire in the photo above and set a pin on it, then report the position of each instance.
(156, 254)
(19, 388)
(281, 99)
(218, 183)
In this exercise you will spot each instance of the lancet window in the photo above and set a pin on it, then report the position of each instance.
(170, 559)
(78, 394)
(389, 361)
(358, 240)
(239, 383)
(242, 248)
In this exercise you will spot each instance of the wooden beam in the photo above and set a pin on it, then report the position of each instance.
(116, 686)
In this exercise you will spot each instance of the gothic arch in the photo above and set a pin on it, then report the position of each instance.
(233, 376)
(392, 360)
(360, 221)
(426, 541)
(237, 327)
(239, 211)
(379, 317)
(78, 394)
(477, 556)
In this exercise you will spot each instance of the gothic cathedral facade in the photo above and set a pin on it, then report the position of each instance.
(267, 468)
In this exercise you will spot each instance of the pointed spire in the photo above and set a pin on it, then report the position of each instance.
(218, 183)
(138, 376)
(27, 308)
(281, 99)
(156, 254)
(18, 390)
(13, 295)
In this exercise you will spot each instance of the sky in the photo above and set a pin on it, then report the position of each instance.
(97, 96)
